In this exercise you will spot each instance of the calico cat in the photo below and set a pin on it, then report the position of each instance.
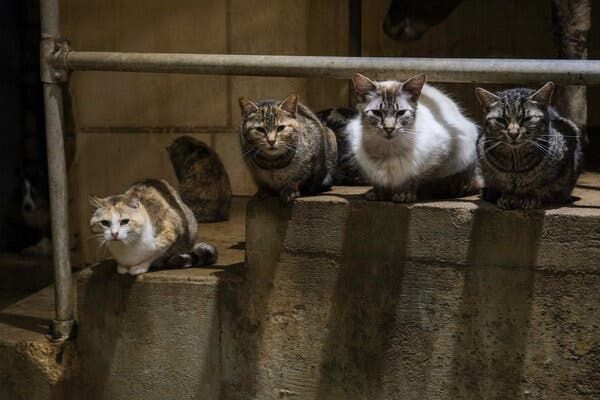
(529, 154)
(203, 181)
(347, 172)
(411, 140)
(289, 152)
(147, 226)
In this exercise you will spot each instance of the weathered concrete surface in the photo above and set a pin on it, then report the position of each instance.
(349, 299)
(157, 336)
(32, 367)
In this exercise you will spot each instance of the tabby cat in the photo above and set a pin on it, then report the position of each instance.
(203, 181)
(149, 225)
(529, 154)
(289, 152)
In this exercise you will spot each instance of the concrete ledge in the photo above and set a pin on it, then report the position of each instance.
(31, 366)
(349, 299)
(156, 336)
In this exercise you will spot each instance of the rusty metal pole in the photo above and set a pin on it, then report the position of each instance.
(51, 44)
(471, 70)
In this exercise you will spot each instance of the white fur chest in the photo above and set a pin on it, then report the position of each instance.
(138, 250)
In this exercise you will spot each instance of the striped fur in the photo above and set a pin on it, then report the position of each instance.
(529, 154)
(287, 149)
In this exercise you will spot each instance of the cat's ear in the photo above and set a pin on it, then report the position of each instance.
(413, 87)
(543, 95)
(486, 98)
(247, 106)
(363, 86)
(95, 201)
(133, 201)
(290, 104)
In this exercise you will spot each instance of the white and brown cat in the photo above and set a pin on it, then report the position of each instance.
(149, 225)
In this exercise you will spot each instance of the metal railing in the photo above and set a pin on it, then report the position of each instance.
(57, 60)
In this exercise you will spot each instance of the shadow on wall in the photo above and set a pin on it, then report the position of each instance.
(245, 304)
(493, 321)
(332, 305)
(366, 301)
(147, 339)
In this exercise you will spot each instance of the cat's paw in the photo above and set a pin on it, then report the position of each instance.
(404, 197)
(512, 202)
(138, 269)
(289, 195)
(372, 195)
(122, 270)
(490, 194)
(530, 203)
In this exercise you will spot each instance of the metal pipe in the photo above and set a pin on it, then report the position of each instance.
(574, 72)
(64, 322)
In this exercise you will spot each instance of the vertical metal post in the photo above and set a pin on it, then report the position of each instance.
(354, 37)
(64, 322)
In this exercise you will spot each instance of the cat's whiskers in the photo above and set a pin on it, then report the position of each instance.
(543, 149)
(490, 148)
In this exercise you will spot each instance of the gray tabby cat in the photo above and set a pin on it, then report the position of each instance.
(529, 154)
(289, 152)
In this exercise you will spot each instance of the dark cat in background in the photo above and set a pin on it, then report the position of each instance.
(347, 172)
(203, 181)
(30, 220)
(529, 154)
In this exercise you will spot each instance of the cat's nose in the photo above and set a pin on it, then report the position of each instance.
(389, 129)
(271, 141)
(513, 134)
(114, 234)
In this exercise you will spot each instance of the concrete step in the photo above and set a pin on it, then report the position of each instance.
(31, 366)
(349, 299)
(158, 335)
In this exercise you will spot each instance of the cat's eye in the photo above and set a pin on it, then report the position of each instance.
(124, 221)
(377, 113)
(281, 128)
(400, 113)
(105, 222)
(525, 119)
(260, 129)
(499, 120)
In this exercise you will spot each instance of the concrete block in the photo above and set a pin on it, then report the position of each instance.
(152, 337)
(348, 299)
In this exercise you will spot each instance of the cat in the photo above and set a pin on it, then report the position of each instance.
(147, 226)
(411, 140)
(348, 172)
(203, 181)
(529, 154)
(287, 149)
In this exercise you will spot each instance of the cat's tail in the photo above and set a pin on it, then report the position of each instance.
(202, 254)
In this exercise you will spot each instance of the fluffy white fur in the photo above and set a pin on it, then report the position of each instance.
(440, 143)
(135, 253)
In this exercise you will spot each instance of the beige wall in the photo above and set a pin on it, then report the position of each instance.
(125, 120)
